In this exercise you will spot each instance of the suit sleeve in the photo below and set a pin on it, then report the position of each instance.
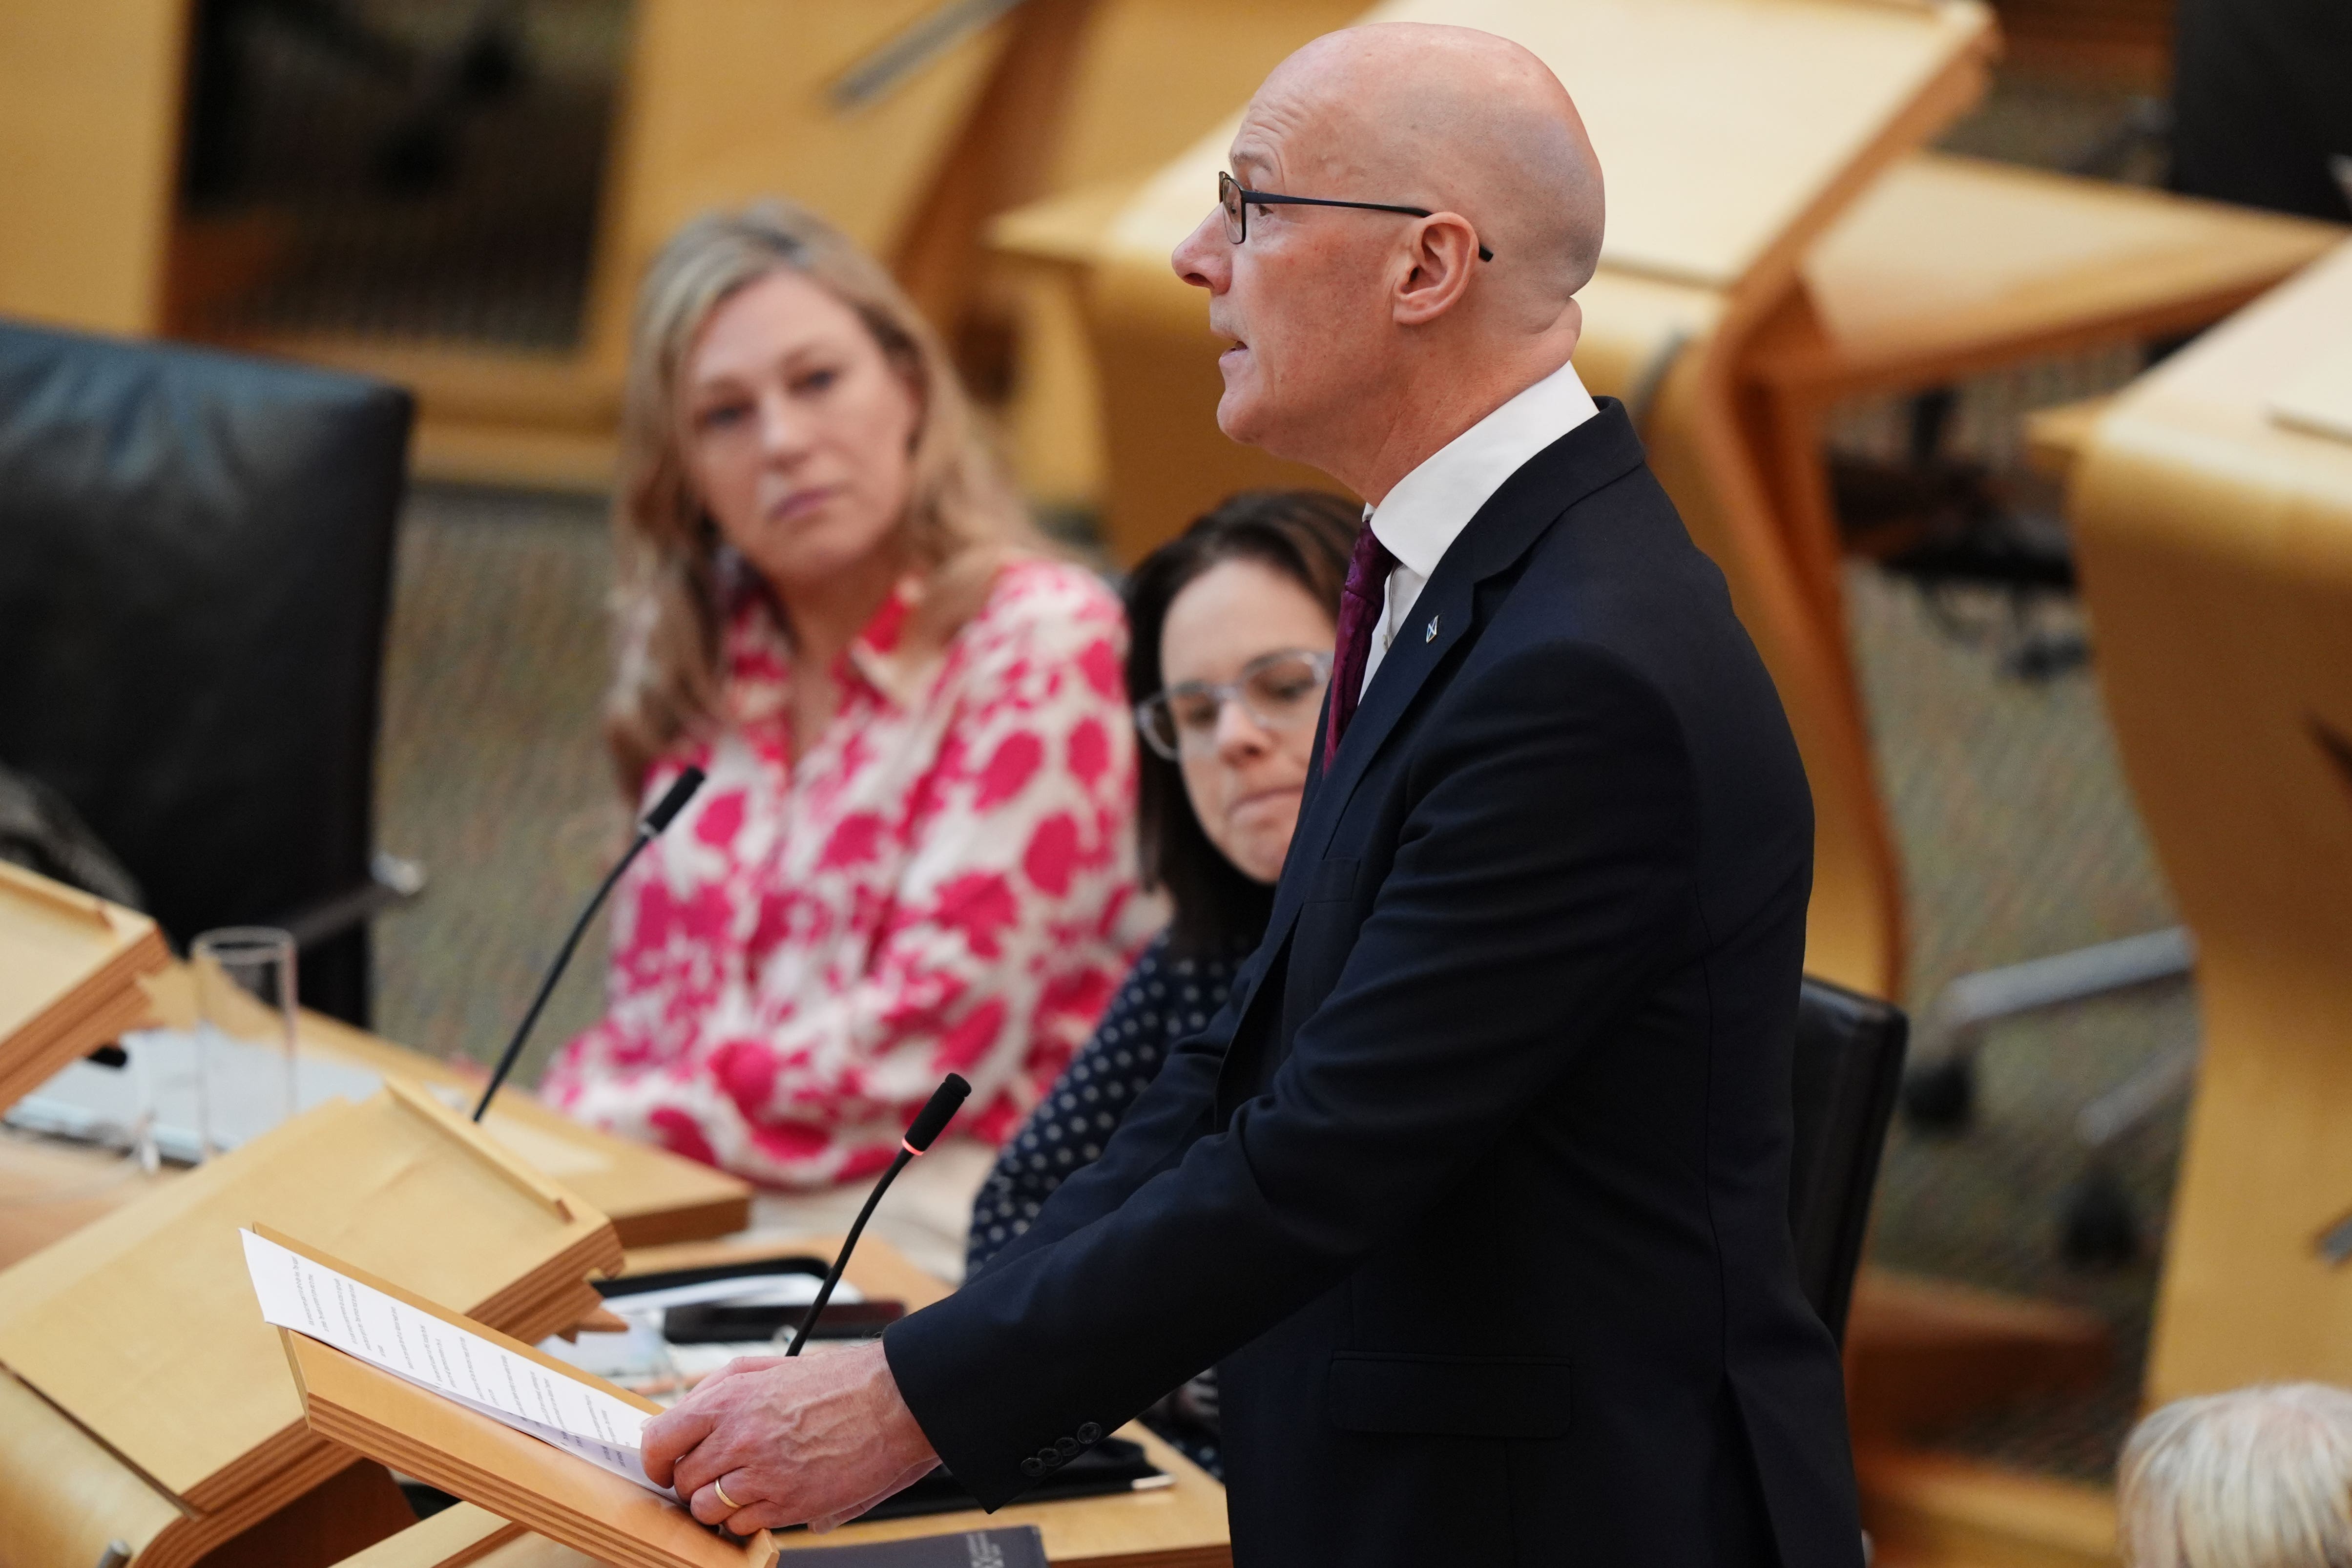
(1542, 880)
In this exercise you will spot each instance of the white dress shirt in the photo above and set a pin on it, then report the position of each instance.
(1420, 519)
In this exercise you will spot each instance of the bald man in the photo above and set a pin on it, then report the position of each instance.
(1477, 1190)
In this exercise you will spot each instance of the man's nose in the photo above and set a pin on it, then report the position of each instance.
(1205, 258)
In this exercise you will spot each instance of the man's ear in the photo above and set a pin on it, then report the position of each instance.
(1444, 249)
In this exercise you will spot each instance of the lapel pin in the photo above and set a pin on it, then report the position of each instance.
(1430, 635)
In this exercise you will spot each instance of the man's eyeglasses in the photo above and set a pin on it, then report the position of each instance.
(1278, 690)
(1236, 201)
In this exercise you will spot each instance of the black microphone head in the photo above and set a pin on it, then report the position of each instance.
(673, 801)
(940, 1108)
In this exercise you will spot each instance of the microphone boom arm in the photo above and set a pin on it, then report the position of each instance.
(672, 801)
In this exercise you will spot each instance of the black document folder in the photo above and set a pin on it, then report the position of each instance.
(1009, 1546)
(1113, 1465)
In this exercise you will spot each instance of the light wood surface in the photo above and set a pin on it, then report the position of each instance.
(1922, 1355)
(49, 1189)
(1181, 1526)
(141, 1328)
(2216, 554)
(1932, 1510)
(2317, 399)
(1952, 267)
(62, 1495)
(1949, 266)
(438, 1440)
(89, 138)
(650, 1194)
(1730, 133)
(69, 971)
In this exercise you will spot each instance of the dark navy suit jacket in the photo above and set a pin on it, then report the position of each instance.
(1477, 1187)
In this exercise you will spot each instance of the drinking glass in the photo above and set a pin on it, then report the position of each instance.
(245, 1029)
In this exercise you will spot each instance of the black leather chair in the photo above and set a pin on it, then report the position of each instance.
(1849, 1067)
(196, 565)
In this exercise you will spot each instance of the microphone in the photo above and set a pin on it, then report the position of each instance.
(928, 1124)
(672, 802)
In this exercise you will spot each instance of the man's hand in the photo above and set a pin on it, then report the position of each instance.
(813, 1441)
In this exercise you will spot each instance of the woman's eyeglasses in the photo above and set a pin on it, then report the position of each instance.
(1277, 690)
(1237, 202)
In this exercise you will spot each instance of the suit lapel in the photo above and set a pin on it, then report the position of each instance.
(1601, 450)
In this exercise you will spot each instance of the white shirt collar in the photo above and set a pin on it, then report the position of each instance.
(1422, 516)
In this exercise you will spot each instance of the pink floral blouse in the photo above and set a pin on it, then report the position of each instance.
(945, 880)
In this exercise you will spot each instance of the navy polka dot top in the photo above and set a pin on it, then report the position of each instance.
(1164, 1000)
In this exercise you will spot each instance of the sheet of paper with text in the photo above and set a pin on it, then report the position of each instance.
(486, 1377)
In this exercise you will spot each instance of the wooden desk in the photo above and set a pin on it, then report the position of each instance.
(1182, 1526)
(2216, 554)
(650, 1194)
(1951, 267)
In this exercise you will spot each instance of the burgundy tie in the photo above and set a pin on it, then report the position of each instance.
(1360, 598)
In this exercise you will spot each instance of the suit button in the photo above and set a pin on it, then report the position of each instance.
(1090, 1433)
(1066, 1446)
(1031, 1466)
(1049, 1456)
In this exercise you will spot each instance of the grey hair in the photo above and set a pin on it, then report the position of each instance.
(2257, 1478)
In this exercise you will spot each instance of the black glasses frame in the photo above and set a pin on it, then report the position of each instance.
(1235, 199)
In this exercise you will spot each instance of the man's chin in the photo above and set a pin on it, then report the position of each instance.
(1241, 414)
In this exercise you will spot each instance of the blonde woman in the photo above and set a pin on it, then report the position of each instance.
(915, 851)
(2256, 1477)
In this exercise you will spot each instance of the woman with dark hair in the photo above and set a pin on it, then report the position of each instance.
(1230, 627)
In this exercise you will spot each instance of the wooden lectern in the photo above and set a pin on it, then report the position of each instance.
(145, 1402)
(69, 971)
(462, 1451)
(1180, 1526)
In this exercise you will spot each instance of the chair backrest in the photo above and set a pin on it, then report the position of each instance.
(1849, 1062)
(195, 555)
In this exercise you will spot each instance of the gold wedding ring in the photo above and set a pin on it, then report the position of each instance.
(732, 1506)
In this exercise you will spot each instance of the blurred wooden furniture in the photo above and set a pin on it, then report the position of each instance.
(1951, 267)
(729, 101)
(1181, 1526)
(147, 1400)
(89, 141)
(651, 1195)
(722, 102)
(2215, 546)
(1732, 132)
(69, 971)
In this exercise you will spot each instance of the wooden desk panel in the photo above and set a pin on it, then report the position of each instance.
(2216, 552)
(1952, 267)
(1949, 266)
(650, 1194)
